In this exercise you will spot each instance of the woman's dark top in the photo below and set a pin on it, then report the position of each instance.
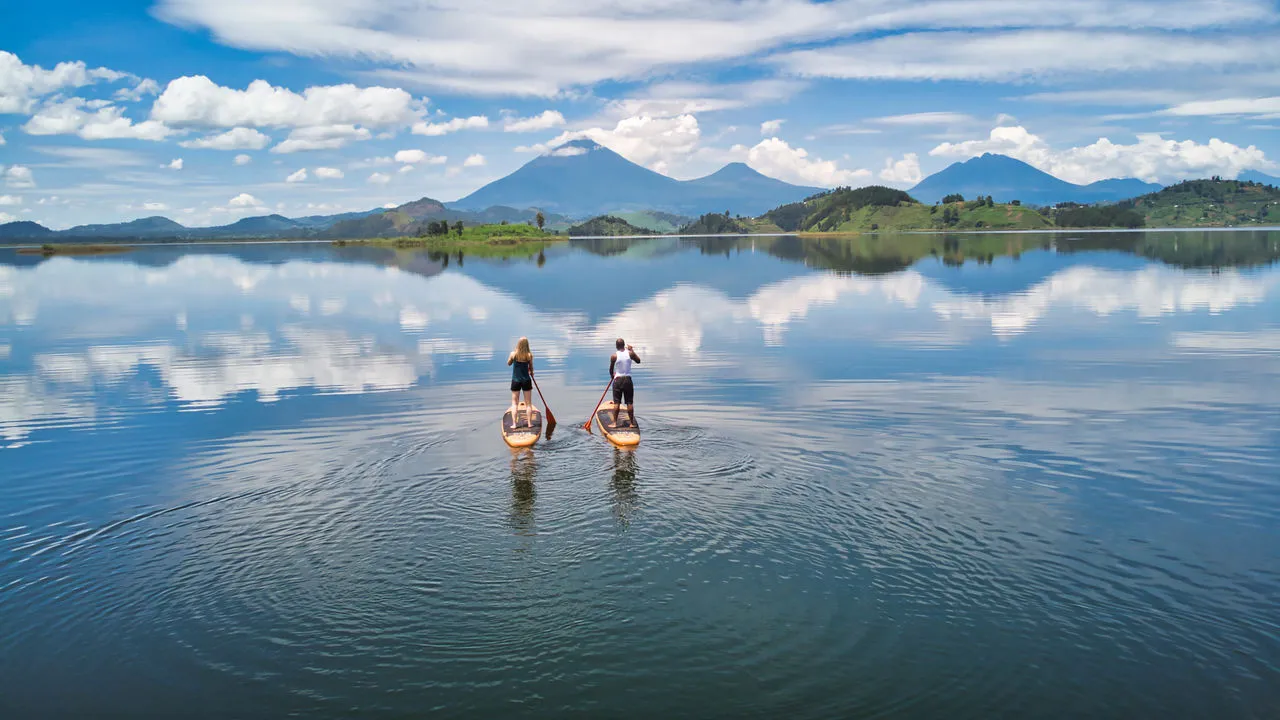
(520, 371)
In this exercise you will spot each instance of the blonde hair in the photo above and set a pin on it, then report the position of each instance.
(522, 352)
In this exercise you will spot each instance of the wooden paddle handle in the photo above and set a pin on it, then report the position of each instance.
(587, 424)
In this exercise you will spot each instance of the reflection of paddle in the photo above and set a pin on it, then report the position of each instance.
(551, 419)
(587, 425)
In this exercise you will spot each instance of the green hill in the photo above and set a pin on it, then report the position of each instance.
(878, 208)
(1209, 203)
(607, 226)
(716, 224)
(655, 220)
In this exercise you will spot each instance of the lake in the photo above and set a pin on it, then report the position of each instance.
(1007, 475)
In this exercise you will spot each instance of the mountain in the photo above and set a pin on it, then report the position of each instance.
(1255, 176)
(156, 226)
(582, 178)
(1007, 179)
(262, 226)
(607, 226)
(24, 229)
(877, 208)
(412, 217)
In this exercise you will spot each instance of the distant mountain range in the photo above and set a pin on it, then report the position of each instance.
(583, 179)
(1007, 179)
(1255, 176)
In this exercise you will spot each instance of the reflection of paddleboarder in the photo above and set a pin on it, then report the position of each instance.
(624, 485)
(623, 388)
(524, 470)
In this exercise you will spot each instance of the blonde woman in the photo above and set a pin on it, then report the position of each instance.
(521, 362)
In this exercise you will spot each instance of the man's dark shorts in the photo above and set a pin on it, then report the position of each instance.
(623, 389)
(526, 385)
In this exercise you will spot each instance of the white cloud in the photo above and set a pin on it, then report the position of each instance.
(476, 160)
(1151, 158)
(523, 48)
(771, 127)
(1265, 107)
(297, 177)
(243, 159)
(7, 218)
(240, 138)
(433, 129)
(330, 137)
(196, 101)
(244, 200)
(2, 139)
(105, 122)
(1022, 54)
(924, 118)
(145, 86)
(777, 159)
(905, 171)
(415, 157)
(405, 169)
(18, 177)
(568, 151)
(10, 200)
(21, 85)
(379, 178)
(175, 164)
(328, 173)
(547, 120)
(654, 142)
(154, 206)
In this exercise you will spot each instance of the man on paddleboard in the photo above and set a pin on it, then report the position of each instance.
(620, 371)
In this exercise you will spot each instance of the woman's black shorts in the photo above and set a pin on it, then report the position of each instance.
(623, 389)
(518, 385)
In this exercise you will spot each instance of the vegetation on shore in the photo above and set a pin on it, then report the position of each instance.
(482, 240)
(606, 226)
(48, 249)
(716, 224)
(1209, 203)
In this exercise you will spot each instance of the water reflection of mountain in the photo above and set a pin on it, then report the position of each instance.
(879, 254)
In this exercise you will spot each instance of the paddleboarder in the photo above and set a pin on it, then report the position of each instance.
(521, 362)
(623, 388)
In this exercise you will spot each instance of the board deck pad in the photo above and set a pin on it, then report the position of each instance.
(626, 433)
(523, 435)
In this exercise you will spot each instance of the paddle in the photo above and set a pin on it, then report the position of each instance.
(551, 419)
(587, 425)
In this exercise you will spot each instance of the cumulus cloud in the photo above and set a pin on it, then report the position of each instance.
(21, 85)
(196, 101)
(543, 48)
(297, 177)
(243, 159)
(771, 127)
(547, 120)
(7, 218)
(175, 164)
(1152, 158)
(92, 120)
(476, 160)
(10, 200)
(328, 173)
(145, 87)
(417, 157)
(777, 159)
(244, 200)
(905, 171)
(19, 177)
(329, 137)
(434, 129)
(655, 142)
(379, 178)
(240, 138)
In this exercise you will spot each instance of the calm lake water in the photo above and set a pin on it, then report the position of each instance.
(973, 476)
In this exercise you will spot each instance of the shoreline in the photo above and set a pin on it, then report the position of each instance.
(423, 243)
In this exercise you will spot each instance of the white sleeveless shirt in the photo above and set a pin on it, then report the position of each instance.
(622, 365)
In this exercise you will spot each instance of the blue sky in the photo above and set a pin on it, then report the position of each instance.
(211, 111)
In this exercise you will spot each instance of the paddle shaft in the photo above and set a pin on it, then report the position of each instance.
(551, 418)
(587, 425)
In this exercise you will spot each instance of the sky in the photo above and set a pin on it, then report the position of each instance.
(207, 112)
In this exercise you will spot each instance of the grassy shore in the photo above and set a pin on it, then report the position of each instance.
(74, 249)
(481, 240)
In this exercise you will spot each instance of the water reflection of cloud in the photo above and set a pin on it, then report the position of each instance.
(1149, 292)
(1266, 342)
(26, 405)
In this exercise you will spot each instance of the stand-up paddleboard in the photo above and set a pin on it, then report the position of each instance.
(627, 434)
(525, 435)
